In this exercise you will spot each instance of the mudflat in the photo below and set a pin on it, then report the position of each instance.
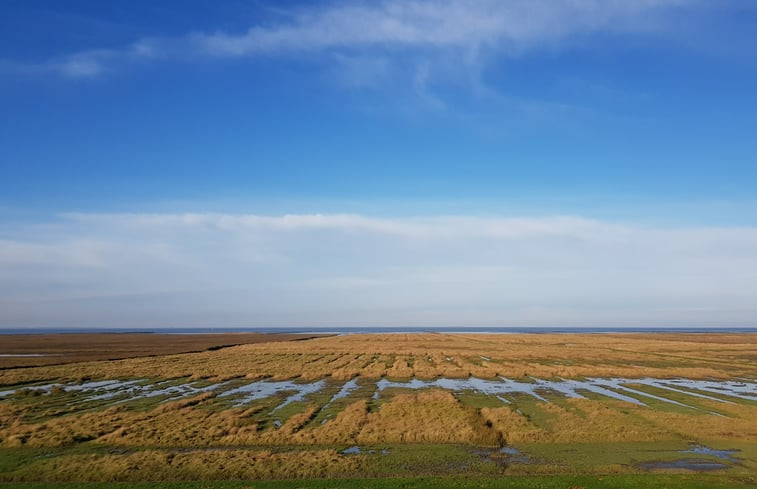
(24, 350)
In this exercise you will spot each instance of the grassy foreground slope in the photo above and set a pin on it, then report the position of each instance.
(534, 482)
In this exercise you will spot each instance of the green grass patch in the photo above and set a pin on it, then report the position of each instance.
(646, 481)
(693, 401)
(529, 407)
(408, 460)
(364, 391)
(478, 399)
(587, 456)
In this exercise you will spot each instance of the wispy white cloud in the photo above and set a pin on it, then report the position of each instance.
(236, 269)
(93, 63)
(464, 27)
(469, 24)
(424, 227)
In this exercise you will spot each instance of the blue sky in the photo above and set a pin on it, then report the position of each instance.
(378, 163)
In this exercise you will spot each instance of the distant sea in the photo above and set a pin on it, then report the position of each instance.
(396, 329)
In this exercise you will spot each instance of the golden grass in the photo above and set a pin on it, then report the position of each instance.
(432, 355)
(426, 417)
(739, 424)
(432, 416)
(585, 421)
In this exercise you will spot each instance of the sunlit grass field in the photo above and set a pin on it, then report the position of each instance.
(414, 410)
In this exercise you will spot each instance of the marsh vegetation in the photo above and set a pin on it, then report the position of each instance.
(391, 406)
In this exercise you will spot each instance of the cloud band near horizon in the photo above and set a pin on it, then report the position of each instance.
(206, 269)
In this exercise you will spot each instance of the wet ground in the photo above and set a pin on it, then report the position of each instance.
(696, 464)
(355, 450)
(728, 455)
(503, 456)
(242, 393)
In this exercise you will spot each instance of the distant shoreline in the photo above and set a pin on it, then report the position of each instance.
(385, 330)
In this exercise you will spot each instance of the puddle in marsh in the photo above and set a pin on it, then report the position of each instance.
(345, 391)
(514, 456)
(503, 456)
(636, 391)
(122, 390)
(139, 390)
(493, 387)
(697, 464)
(614, 388)
(721, 454)
(264, 389)
(356, 450)
(742, 390)
(100, 386)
